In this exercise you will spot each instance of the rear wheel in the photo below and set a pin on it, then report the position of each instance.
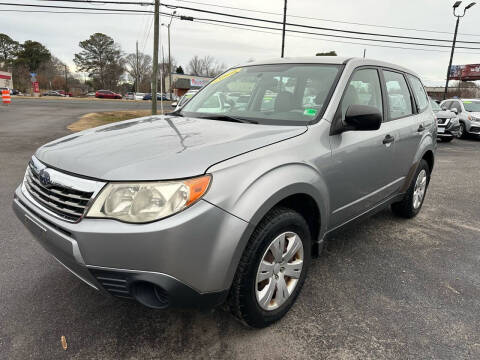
(447, 139)
(272, 269)
(412, 202)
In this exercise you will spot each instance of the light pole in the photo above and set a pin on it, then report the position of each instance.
(169, 56)
(155, 56)
(455, 7)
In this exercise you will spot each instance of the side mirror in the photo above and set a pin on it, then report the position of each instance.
(362, 118)
(455, 110)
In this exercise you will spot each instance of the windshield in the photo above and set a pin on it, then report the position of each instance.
(284, 94)
(435, 106)
(472, 106)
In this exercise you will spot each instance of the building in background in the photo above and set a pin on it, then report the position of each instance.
(6, 80)
(183, 82)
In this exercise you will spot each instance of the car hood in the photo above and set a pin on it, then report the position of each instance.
(158, 147)
(445, 114)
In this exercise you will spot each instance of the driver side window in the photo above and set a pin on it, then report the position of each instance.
(363, 89)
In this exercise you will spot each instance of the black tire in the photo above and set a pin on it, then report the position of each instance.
(463, 131)
(242, 300)
(405, 207)
(447, 140)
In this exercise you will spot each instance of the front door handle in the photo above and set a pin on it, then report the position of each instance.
(421, 128)
(388, 139)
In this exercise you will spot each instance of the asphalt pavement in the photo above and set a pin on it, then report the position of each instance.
(386, 289)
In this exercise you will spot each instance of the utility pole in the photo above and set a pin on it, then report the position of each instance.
(455, 6)
(169, 62)
(137, 73)
(66, 80)
(284, 25)
(155, 57)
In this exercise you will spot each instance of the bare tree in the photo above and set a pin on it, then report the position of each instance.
(206, 66)
(195, 66)
(141, 71)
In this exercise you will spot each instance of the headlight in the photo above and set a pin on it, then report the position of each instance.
(147, 201)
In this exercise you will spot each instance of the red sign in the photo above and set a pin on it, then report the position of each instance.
(465, 72)
(36, 88)
(6, 77)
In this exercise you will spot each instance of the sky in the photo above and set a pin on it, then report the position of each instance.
(61, 33)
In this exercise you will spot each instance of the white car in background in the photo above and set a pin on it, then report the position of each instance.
(468, 112)
(183, 100)
(134, 96)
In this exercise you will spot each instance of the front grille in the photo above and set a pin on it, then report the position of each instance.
(474, 129)
(442, 121)
(68, 203)
(114, 282)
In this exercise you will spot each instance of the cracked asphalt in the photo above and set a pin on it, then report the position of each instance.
(385, 289)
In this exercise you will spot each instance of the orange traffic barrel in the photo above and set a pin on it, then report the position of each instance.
(6, 97)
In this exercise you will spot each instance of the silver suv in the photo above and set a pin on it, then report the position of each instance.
(227, 204)
(468, 111)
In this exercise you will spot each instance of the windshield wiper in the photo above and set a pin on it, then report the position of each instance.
(229, 118)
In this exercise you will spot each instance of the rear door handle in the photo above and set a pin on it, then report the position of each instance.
(388, 139)
(421, 128)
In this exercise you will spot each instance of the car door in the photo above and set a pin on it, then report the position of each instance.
(409, 121)
(362, 171)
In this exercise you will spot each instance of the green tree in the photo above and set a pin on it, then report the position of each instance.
(8, 49)
(32, 54)
(330, 53)
(102, 58)
(179, 70)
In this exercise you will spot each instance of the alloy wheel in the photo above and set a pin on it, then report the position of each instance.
(419, 189)
(279, 271)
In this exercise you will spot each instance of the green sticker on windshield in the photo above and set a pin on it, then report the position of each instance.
(467, 102)
(310, 112)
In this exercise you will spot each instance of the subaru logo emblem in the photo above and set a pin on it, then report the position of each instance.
(44, 178)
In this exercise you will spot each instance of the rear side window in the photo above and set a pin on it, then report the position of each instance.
(363, 89)
(399, 101)
(418, 92)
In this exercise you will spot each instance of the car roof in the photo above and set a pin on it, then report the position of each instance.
(335, 60)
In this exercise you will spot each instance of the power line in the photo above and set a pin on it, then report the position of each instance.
(69, 12)
(241, 27)
(334, 41)
(170, 6)
(77, 8)
(250, 25)
(322, 19)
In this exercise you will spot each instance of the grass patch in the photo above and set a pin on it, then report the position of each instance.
(92, 120)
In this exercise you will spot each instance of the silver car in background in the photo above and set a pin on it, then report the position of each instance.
(448, 124)
(468, 111)
(228, 206)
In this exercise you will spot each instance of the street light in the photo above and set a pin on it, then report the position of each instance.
(169, 55)
(455, 6)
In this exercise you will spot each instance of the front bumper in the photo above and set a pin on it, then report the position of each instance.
(191, 256)
(448, 130)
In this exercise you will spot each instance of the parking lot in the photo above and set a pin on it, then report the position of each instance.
(386, 289)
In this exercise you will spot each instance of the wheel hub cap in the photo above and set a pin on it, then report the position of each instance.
(279, 271)
(419, 189)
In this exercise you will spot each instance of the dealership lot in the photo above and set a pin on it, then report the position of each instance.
(386, 289)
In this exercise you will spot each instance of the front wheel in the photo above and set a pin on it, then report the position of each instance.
(272, 269)
(462, 132)
(447, 139)
(412, 202)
